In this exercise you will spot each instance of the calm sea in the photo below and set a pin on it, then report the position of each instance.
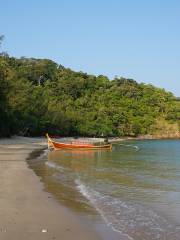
(135, 188)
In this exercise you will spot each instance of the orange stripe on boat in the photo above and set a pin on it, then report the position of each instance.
(59, 145)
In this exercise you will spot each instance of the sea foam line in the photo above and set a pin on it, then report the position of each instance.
(85, 192)
(54, 165)
(128, 218)
(129, 145)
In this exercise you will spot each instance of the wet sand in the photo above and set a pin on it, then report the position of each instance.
(28, 212)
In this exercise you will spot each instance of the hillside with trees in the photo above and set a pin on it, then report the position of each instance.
(38, 96)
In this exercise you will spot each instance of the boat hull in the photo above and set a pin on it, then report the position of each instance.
(59, 145)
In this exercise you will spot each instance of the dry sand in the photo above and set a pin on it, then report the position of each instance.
(26, 211)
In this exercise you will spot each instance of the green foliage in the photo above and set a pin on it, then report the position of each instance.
(38, 96)
(4, 106)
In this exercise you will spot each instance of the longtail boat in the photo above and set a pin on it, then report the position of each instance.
(75, 145)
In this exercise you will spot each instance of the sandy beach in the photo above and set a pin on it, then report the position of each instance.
(28, 212)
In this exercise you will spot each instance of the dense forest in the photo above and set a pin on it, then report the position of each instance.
(38, 96)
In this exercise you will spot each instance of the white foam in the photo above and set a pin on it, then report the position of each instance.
(131, 146)
(54, 165)
(127, 218)
(85, 191)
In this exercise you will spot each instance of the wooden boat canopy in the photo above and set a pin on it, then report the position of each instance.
(74, 145)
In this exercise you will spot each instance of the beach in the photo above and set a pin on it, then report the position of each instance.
(123, 194)
(28, 212)
(130, 192)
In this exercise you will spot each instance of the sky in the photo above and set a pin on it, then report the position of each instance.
(137, 39)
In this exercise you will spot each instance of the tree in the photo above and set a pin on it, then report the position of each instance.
(38, 96)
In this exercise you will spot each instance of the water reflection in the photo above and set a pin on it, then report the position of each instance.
(58, 171)
(137, 192)
(77, 160)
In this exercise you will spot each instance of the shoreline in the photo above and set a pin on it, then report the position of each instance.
(41, 139)
(27, 211)
(148, 137)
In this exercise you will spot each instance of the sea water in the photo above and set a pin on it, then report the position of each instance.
(135, 187)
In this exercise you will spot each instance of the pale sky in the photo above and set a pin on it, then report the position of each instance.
(131, 38)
